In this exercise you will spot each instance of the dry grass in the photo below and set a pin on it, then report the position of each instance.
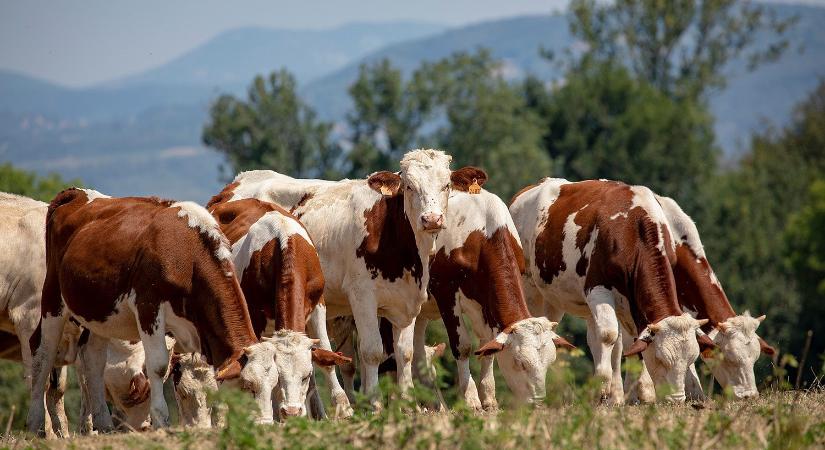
(775, 420)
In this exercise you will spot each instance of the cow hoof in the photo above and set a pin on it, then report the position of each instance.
(490, 406)
(474, 404)
(343, 411)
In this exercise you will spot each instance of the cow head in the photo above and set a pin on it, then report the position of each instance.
(738, 349)
(425, 179)
(193, 379)
(669, 347)
(524, 350)
(256, 372)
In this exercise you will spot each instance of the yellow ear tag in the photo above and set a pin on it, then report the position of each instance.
(474, 188)
(386, 191)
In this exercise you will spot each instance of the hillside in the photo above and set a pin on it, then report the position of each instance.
(141, 135)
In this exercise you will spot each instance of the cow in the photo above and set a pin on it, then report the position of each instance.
(281, 277)
(476, 272)
(374, 238)
(601, 250)
(22, 270)
(701, 294)
(134, 268)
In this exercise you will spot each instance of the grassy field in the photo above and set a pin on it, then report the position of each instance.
(776, 420)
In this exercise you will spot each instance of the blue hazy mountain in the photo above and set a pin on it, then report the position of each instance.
(141, 134)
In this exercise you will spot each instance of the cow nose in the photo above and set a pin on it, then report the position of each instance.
(432, 222)
(291, 411)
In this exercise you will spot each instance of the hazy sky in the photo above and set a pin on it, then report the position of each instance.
(78, 43)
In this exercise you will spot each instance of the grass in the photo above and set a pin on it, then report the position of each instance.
(776, 420)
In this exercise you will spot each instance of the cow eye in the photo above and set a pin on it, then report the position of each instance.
(409, 188)
(249, 387)
(447, 187)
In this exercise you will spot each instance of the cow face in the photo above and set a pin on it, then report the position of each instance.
(293, 358)
(672, 348)
(193, 379)
(425, 179)
(259, 376)
(524, 351)
(738, 349)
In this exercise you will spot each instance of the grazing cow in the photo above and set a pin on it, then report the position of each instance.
(477, 271)
(281, 277)
(135, 268)
(601, 250)
(374, 238)
(700, 293)
(193, 379)
(22, 270)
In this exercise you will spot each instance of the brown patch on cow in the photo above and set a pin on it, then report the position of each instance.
(386, 183)
(279, 285)
(561, 342)
(625, 255)
(486, 270)
(304, 198)
(389, 248)
(525, 189)
(696, 289)
(465, 177)
(224, 195)
(100, 252)
(138, 391)
(327, 358)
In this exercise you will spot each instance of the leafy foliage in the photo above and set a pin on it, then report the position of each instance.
(29, 184)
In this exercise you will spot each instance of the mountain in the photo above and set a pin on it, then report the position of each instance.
(141, 135)
(750, 97)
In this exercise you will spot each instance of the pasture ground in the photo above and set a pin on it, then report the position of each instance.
(787, 419)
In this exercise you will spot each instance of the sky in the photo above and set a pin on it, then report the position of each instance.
(81, 43)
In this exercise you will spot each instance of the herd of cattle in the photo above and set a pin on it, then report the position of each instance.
(244, 291)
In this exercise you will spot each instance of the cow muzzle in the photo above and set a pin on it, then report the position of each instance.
(292, 411)
(432, 222)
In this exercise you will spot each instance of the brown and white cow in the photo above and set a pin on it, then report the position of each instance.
(476, 272)
(700, 293)
(22, 270)
(281, 277)
(374, 237)
(601, 250)
(134, 268)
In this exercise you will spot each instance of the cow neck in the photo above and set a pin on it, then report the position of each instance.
(390, 246)
(223, 322)
(653, 290)
(697, 290)
(496, 283)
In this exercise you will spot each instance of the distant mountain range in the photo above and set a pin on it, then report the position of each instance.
(141, 134)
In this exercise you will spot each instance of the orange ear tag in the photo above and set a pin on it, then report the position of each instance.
(474, 188)
(386, 191)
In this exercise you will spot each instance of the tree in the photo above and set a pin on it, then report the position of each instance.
(679, 46)
(603, 123)
(745, 218)
(29, 184)
(273, 129)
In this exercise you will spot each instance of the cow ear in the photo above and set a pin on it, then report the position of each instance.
(766, 348)
(439, 350)
(706, 345)
(138, 390)
(229, 371)
(327, 358)
(490, 348)
(468, 179)
(561, 342)
(639, 345)
(386, 183)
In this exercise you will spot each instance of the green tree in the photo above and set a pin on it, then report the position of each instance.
(680, 47)
(746, 215)
(29, 184)
(603, 123)
(273, 129)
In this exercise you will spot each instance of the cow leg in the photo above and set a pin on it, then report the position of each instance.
(370, 346)
(313, 401)
(51, 329)
(157, 361)
(425, 369)
(693, 387)
(317, 328)
(92, 364)
(466, 385)
(488, 384)
(54, 401)
(403, 346)
(602, 335)
(616, 386)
